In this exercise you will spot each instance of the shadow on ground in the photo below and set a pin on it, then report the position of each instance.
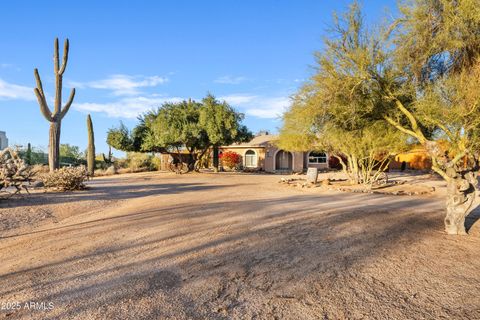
(303, 256)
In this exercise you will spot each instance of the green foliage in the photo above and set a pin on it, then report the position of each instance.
(340, 110)
(32, 155)
(437, 57)
(221, 123)
(119, 138)
(71, 154)
(138, 161)
(156, 163)
(420, 76)
(175, 125)
(437, 36)
(186, 125)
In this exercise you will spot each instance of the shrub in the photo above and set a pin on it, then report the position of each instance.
(334, 163)
(156, 163)
(138, 161)
(66, 179)
(121, 163)
(230, 159)
(110, 171)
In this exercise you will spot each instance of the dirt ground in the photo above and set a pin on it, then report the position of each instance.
(233, 246)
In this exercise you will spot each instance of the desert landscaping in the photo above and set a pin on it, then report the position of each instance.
(220, 246)
(237, 160)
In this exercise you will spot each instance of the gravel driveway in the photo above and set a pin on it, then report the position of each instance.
(233, 246)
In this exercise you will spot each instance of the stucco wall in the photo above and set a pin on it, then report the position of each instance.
(266, 158)
(297, 161)
(416, 159)
(270, 159)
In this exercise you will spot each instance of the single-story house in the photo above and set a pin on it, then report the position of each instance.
(261, 154)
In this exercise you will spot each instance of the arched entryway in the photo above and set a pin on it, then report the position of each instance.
(283, 161)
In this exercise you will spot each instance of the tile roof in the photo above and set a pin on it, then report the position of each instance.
(258, 141)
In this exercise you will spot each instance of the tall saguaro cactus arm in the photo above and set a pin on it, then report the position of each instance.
(67, 106)
(65, 56)
(42, 101)
(54, 117)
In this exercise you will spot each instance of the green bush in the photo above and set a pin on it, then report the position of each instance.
(156, 163)
(138, 162)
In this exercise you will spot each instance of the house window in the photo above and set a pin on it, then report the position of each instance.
(317, 157)
(250, 158)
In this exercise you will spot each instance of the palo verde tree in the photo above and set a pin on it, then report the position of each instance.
(54, 117)
(188, 126)
(336, 112)
(437, 59)
(421, 76)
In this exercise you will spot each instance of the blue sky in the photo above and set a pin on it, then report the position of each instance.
(127, 57)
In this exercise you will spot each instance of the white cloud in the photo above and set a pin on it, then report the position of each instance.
(259, 106)
(230, 80)
(121, 84)
(15, 92)
(238, 99)
(130, 107)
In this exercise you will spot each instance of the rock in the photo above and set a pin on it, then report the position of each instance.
(312, 175)
(37, 184)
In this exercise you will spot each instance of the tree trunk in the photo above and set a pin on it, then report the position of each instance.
(54, 146)
(461, 194)
(215, 158)
(191, 162)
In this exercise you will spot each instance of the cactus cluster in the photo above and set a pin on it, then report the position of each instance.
(66, 179)
(14, 172)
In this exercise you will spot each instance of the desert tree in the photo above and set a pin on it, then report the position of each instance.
(338, 112)
(222, 125)
(436, 45)
(120, 138)
(54, 117)
(186, 126)
(422, 74)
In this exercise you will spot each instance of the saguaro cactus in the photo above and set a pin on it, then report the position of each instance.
(55, 117)
(91, 148)
(108, 160)
(28, 154)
